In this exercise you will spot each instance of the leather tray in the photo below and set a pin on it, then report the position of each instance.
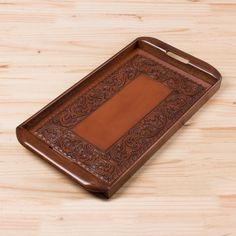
(101, 130)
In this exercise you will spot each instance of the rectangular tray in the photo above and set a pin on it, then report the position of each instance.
(101, 130)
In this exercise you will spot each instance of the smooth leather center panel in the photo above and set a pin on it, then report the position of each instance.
(116, 116)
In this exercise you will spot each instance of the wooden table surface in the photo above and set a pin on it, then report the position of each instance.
(187, 188)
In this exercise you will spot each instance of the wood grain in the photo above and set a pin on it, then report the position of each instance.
(188, 188)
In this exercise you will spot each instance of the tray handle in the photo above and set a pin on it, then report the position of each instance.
(87, 181)
(182, 56)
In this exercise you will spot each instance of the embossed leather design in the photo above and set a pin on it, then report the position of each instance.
(110, 164)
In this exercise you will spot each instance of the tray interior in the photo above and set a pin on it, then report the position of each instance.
(106, 122)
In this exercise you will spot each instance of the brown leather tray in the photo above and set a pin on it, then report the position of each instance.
(101, 130)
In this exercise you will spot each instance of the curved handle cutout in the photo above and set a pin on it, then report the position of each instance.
(177, 57)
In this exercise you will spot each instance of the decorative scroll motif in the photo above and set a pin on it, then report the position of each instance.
(109, 165)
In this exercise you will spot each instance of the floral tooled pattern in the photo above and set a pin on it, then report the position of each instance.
(110, 164)
(96, 96)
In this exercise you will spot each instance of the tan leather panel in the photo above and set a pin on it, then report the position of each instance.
(110, 121)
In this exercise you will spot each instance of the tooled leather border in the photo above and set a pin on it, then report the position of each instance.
(110, 164)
